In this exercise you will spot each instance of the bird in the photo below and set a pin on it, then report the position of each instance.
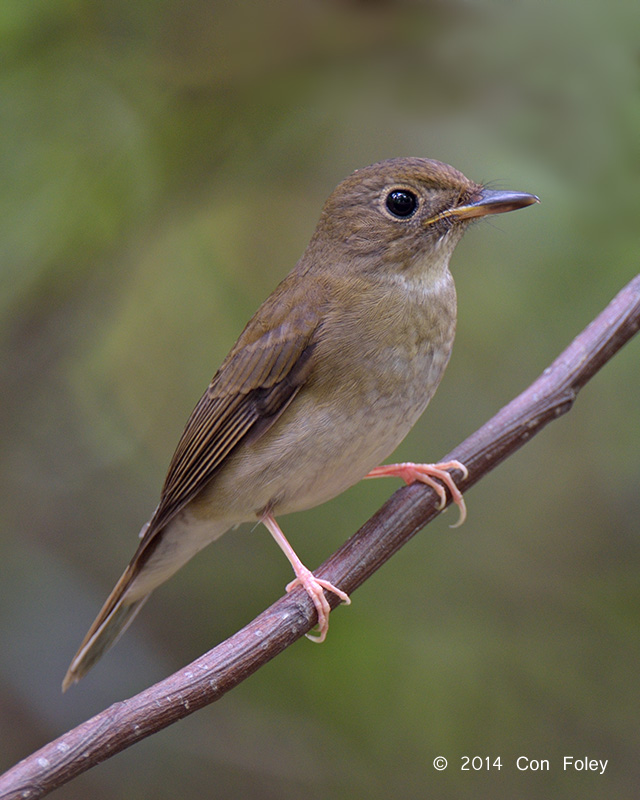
(324, 382)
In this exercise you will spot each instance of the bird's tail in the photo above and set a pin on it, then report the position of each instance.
(114, 618)
(155, 561)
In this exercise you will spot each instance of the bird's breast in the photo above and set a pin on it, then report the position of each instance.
(376, 368)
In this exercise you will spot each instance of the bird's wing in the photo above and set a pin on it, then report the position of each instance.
(256, 382)
(259, 378)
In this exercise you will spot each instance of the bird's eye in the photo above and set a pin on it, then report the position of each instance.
(401, 203)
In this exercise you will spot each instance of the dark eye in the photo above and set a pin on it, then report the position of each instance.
(401, 203)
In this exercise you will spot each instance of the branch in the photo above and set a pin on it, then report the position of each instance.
(403, 515)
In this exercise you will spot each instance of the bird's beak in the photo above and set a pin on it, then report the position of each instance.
(493, 202)
(488, 201)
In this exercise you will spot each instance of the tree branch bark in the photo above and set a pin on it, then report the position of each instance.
(209, 677)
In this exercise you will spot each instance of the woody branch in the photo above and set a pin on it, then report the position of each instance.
(411, 508)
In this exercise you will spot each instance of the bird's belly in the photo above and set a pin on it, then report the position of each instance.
(326, 466)
(319, 448)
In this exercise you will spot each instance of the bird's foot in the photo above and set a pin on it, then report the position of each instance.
(433, 475)
(313, 586)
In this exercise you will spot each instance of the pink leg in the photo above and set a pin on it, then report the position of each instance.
(304, 577)
(429, 474)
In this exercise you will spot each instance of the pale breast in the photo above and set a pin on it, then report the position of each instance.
(362, 401)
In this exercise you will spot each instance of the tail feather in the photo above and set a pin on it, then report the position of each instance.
(160, 554)
(114, 618)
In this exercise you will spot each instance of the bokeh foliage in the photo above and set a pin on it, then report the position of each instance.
(163, 165)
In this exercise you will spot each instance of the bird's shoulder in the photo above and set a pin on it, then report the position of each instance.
(274, 339)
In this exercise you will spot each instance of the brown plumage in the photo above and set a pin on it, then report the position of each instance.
(323, 383)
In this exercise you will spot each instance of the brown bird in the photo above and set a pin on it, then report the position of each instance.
(324, 382)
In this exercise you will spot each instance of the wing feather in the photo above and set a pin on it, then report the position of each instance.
(254, 385)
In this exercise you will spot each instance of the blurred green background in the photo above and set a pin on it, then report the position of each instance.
(162, 167)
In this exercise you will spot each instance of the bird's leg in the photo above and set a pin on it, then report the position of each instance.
(313, 586)
(434, 475)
